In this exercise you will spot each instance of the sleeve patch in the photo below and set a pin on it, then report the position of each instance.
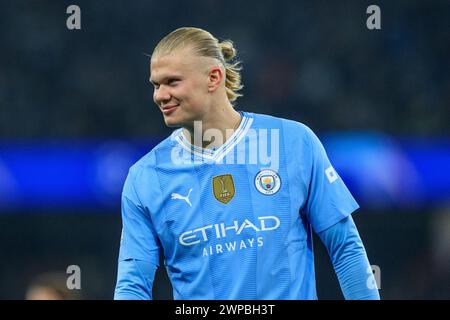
(331, 174)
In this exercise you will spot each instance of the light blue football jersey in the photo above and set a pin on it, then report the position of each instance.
(236, 222)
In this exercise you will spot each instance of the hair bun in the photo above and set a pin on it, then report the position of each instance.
(228, 50)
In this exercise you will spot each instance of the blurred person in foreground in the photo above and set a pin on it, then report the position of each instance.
(50, 286)
(233, 221)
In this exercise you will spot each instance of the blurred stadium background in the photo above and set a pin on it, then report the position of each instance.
(76, 111)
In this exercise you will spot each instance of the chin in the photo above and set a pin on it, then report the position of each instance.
(172, 123)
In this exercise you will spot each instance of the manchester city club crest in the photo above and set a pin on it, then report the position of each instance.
(223, 188)
(267, 182)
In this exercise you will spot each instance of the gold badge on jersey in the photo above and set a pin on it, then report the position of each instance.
(223, 187)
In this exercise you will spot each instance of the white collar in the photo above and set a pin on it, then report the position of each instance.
(218, 154)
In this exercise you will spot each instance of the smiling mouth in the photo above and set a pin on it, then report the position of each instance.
(169, 109)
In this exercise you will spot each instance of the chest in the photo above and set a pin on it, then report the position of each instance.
(210, 202)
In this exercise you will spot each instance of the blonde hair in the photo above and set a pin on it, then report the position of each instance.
(205, 44)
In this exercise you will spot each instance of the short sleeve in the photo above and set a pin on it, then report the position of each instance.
(139, 239)
(328, 200)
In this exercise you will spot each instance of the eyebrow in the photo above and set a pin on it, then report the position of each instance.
(165, 78)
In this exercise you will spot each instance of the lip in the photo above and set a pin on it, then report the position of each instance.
(169, 109)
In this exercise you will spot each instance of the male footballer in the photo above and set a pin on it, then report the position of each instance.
(231, 198)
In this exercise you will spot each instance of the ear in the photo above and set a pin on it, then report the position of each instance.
(215, 77)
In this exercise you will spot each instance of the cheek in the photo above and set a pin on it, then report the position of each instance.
(182, 93)
(190, 93)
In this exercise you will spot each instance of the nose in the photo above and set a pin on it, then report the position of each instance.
(161, 95)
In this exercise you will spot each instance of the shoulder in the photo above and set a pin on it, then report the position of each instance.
(150, 160)
(144, 171)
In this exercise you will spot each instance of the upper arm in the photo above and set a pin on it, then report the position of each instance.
(139, 246)
(139, 239)
(328, 200)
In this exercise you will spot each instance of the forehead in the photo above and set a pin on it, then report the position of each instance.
(175, 62)
(178, 63)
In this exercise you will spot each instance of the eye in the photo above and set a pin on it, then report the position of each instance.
(172, 82)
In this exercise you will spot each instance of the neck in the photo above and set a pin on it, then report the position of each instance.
(215, 128)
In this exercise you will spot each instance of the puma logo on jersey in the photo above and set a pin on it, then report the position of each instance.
(180, 197)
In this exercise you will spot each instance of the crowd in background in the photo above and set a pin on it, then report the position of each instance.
(315, 62)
